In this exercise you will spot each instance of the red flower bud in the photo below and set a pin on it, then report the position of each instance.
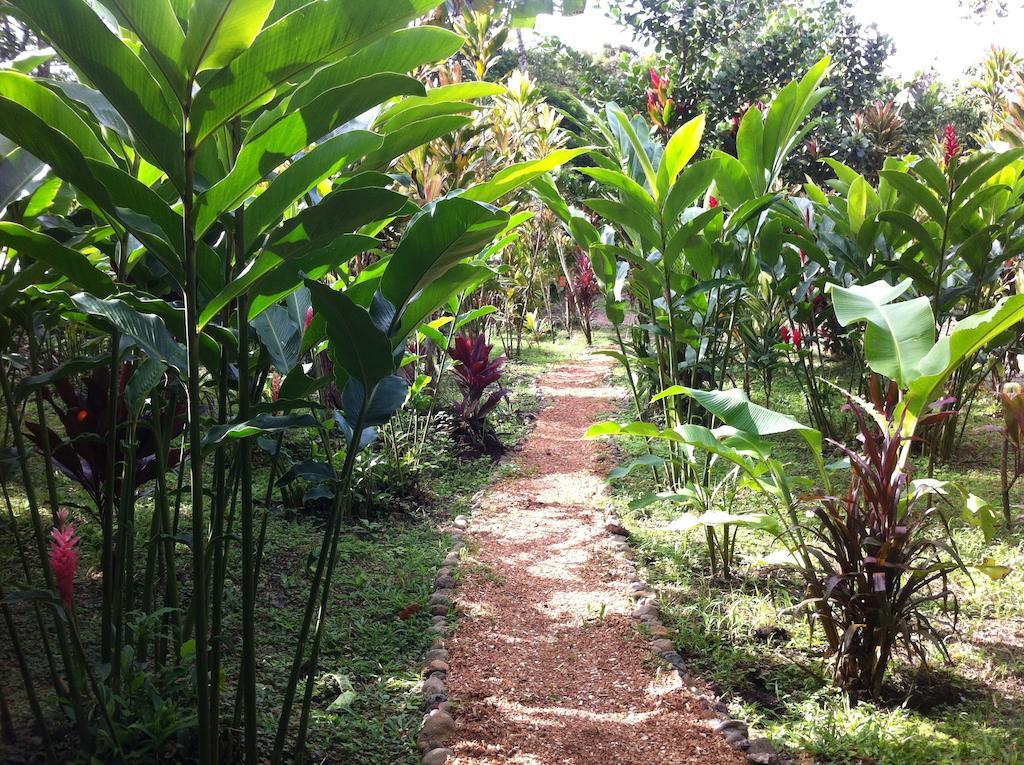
(950, 143)
(64, 556)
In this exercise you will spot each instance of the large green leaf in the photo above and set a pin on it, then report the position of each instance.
(314, 228)
(520, 174)
(17, 170)
(81, 37)
(449, 231)
(960, 346)
(218, 30)
(286, 277)
(407, 137)
(898, 335)
(147, 329)
(402, 51)
(357, 345)
(281, 335)
(71, 264)
(268, 146)
(300, 176)
(457, 280)
(459, 92)
(680, 149)
(158, 29)
(313, 35)
(261, 423)
(737, 411)
(631, 193)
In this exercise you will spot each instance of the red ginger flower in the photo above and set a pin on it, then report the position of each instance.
(64, 555)
(656, 79)
(950, 143)
(712, 201)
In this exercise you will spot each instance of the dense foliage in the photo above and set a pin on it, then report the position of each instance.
(256, 255)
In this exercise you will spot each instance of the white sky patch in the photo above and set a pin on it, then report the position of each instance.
(927, 33)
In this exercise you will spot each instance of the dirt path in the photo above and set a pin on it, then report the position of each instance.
(546, 665)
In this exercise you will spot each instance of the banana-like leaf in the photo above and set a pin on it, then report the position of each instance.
(147, 329)
(407, 137)
(300, 176)
(286, 277)
(898, 335)
(449, 231)
(313, 229)
(281, 335)
(631, 193)
(315, 34)
(402, 51)
(458, 92)
(268, 147)
(218, 30)
(261, 423)
(968, 338)
(158, 29)
(458, 279)
(737, 411)
(71, 264)
(357, 345)
(511, 178)
(716, 518)
(387, 398)
(678, 152)
(81, 37)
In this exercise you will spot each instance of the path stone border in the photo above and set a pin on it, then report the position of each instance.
(438, 724)
(759, 750)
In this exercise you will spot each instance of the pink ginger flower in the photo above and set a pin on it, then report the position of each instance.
(275, 387)
(950, 143)
(64, 555)
(309, 318)
(712, 201)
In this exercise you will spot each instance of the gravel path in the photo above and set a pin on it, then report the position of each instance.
(546, 665)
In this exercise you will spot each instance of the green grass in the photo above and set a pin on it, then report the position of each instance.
(967, 712)
(366, 708)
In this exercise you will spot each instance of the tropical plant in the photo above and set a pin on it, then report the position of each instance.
(478, 377)
(208, 169)
(871, 562)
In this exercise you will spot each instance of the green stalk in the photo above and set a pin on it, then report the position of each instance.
(206, 726)
(344, 491)
(107, 510)
(26, 679)
(247, 682)
(124, 569)
(326, 560)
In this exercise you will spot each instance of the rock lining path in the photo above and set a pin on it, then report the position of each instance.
(546, 665)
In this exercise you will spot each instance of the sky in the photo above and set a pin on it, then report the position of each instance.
(927, 33)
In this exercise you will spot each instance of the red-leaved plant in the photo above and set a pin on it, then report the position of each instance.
(83, 409)
(477, 376)
(885, 553)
